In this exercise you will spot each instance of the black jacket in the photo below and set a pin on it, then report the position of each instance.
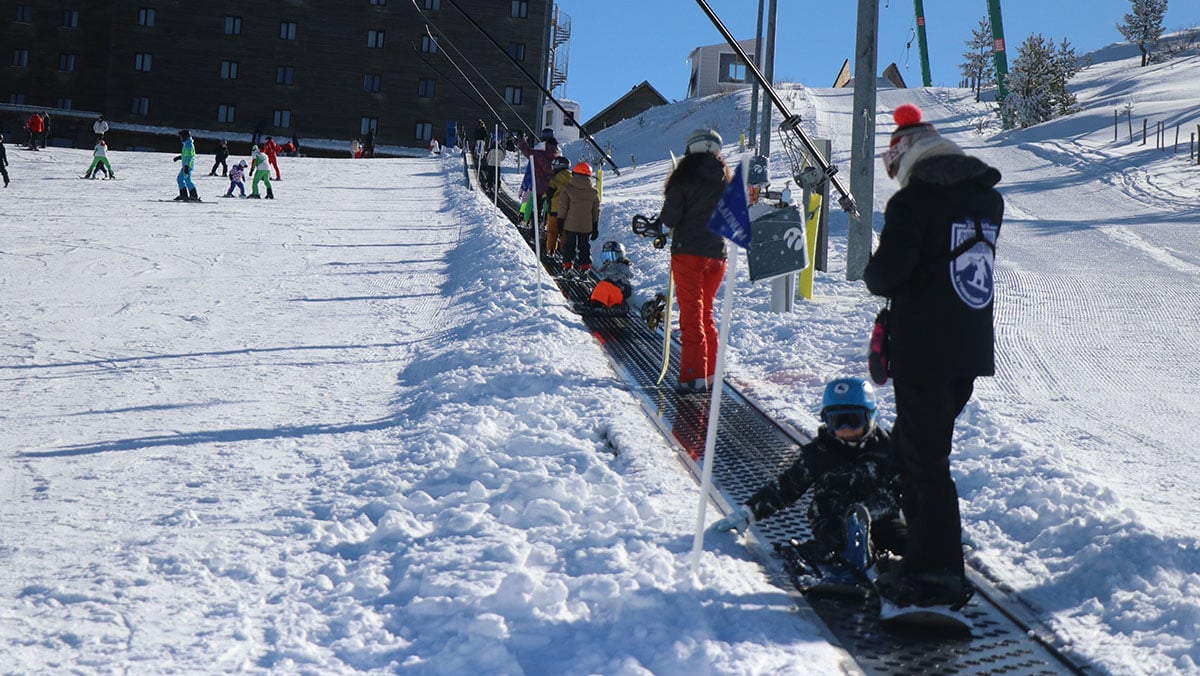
(941, 320)
(692, 193)
(840, 476)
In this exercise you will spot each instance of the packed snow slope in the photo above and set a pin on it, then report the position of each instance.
(352, 430)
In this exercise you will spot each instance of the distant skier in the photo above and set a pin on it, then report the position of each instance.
(100, 161)
(187, 189)
(99, 127)
(848, 464)
(934, 263)
(561, 166)
(272, 150)
(261, 171)
(222, 156)
(237, 176)
(3, 161)
(579, 211)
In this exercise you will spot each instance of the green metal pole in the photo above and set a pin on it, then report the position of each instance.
(999, 56)
(923, 44)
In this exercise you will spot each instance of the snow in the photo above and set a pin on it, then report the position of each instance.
(334, 433)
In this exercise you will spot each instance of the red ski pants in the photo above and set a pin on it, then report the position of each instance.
(697, 279)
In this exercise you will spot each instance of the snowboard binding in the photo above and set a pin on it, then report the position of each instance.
(645, 227)
(653, 311)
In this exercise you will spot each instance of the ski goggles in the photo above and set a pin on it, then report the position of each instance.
(610, 256)
(848, 418)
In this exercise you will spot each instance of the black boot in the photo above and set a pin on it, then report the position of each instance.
(192, 196)
(270, 195)
(183, 196)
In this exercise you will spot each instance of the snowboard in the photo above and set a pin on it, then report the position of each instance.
(815, 572)
(941, 618)
(589, 309)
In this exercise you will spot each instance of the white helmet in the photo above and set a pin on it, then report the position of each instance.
(704, 141)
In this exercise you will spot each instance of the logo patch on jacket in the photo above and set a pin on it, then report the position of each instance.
(971, 272)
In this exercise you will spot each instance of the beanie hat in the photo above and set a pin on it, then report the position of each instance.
(911, 133)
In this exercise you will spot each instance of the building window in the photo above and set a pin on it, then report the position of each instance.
(24, 14)
(433, 5)
(18, 99)
(66, 62)
(372, 82)
(424, 131)
(283, 119)
(63, 104)
(20, 58)
(429, 44)
(226, 113)
(229, 70)
(287, 30)
(141, 106)
(513, 96)
(375, 39)
(233, 25)
(143, 62)
(549, 119)
(146, 16)
(285, 75)
(517, 50)
(733, 69)
(426, 87)
(368, 124)
(378, 3)
(70, 18)
(520, 9)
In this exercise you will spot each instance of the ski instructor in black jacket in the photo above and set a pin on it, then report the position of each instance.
(934, 263)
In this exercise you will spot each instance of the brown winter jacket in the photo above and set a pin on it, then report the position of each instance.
(578, 205)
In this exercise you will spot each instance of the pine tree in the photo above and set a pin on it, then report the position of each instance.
(1037, 82)
(1145, 25)
(978, 69)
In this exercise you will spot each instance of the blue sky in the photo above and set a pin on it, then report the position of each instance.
(615, 44)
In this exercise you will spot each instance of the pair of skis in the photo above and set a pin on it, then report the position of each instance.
(657, 311)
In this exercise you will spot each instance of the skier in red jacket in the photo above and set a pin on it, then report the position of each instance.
(272, 149)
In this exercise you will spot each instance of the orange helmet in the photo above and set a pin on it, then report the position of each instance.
(582, 168)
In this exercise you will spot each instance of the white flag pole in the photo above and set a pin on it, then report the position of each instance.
(714, 406)
(537, 244)
(714, 410)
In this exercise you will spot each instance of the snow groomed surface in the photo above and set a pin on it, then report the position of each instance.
(751, 449)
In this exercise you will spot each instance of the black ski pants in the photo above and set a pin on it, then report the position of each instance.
(921, 440)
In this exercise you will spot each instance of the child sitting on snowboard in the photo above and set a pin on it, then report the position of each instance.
(616, 277)
(848, 464)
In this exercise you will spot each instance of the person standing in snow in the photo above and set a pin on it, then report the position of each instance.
(3, 161)
(543, 165)
(261, 171)
(100, 161)
(579, 216)
(561, 166)
(272, 150)
(187, 189)
(37, 128)
(222, 156)
(698, 255)
(934, 263)
(849, 463)
(237, 176)
(99, 127)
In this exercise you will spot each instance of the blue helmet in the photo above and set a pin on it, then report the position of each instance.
(849, 402)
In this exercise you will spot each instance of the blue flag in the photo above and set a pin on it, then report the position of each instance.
(731, 218)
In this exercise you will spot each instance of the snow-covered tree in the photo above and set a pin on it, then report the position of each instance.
(978, 68)
(1037, 82)
(1144, 26)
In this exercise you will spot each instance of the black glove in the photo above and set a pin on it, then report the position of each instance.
(187, 169)
(176, 158)
(595, 231)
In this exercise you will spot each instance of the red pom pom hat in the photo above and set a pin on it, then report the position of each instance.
(909, 128)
